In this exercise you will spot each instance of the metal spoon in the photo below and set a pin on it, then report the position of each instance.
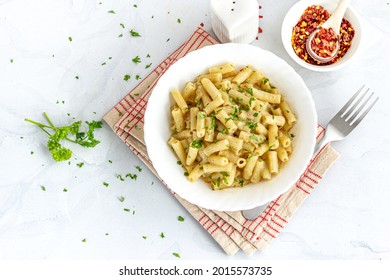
(333, 22)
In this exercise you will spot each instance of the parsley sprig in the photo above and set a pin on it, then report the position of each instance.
(70, 133)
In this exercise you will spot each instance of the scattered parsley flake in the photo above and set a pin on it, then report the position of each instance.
(148, 55)
(111, 12)
(84, 240)
(121, 199)
(11, 60)
(176, 255)
(80, 164)
(119, 176)
(64, 190)
(135, 6)
(126, 209)
(134, 33)
(120, 35)
(132, 176)
(110, 57)
(136, 59)
(126, 77)
(32, 152)
(178, 20)
(103, 63)
(122, 25)
(148, 65)
(138, 168)
(105, 184)
(162, 235)
(43, 188)
(106, 234)
(179, 162)
(168, 39)
(186, 174)
(70, 39)
(180, 219)
(137, 77)
(77, 77)
(110, 161)
(144, 237)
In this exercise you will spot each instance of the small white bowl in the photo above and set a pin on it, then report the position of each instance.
(157, 126)
(293, 16)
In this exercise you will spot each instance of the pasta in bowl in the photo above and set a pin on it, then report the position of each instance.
(227, 114)
(231, 127)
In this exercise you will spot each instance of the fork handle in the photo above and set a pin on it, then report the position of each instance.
(322, 143)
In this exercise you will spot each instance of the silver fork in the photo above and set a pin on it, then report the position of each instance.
(338, 128)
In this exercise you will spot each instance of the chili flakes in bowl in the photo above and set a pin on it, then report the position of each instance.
(312, 17)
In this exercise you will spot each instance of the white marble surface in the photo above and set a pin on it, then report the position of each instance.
(346, 217)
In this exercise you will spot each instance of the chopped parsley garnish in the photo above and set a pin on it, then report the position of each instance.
(162, 235)
(121, 199)
(265, 81)
(132, 176)
(126, 209)
(110, 161)
(32, 152)
(251, 124)
(119, 176)
(180, 219)
(80, 164)
(186, 174)
(84, 240)
(105, 184)
(111, 12)
(138, 168)
(148, 65)
(134, 33)
(176, 255)
(197, 144)
(43, 188)
(250, 91)
(70, 39)
(136, 59)
(144, 237)
(179, 162)
(137, 77)
(122, 25)
(178, 20)
(292, 135)
(255, 114)
(126, 77)
(84, 139)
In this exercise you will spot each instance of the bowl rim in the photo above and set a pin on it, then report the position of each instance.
(286, 36)
(155, 152)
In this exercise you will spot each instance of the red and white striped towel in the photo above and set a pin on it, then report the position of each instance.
(230, 229)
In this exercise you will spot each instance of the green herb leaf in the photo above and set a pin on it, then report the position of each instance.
(105, 184)
(85, 139)
(162, 235)
(180, 219)
(132, 176)
(197, 144)
(176, 255)
(111, 12)
(126, 77)
(134, 33)
(136, 59)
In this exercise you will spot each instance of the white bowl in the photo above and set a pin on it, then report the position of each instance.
(293, 16)
(157, 123)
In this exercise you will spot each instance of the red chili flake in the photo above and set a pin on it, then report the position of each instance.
(324, 43)
(312, 17)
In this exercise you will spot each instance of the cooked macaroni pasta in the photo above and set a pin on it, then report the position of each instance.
(230, 126)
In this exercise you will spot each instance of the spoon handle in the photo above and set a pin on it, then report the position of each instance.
(335, 19)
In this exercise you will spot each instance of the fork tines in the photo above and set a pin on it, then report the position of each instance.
(353, 112)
